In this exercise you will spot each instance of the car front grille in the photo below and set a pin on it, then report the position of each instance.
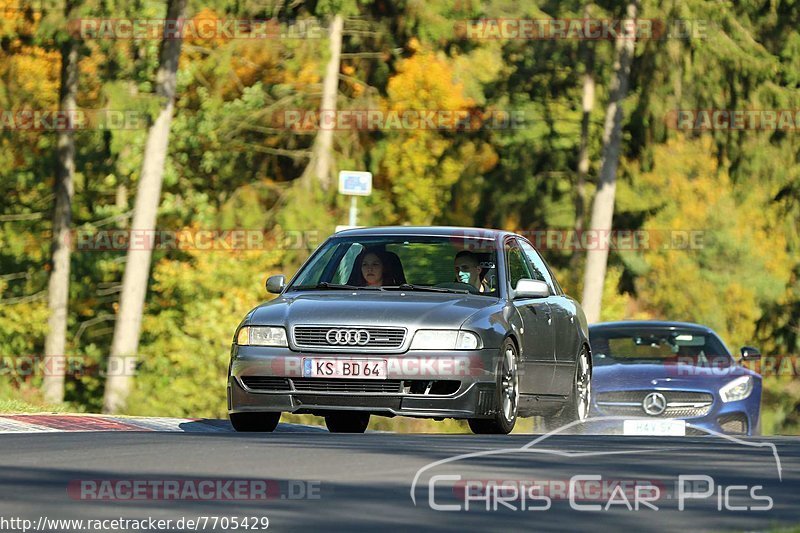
(266, 383)
(680, 404)
(347, 385)
(350, 386)
(735, 424)
(380, 339)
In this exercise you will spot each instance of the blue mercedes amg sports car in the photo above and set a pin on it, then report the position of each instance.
(673, 370)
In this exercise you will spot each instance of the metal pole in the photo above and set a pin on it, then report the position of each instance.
(353, 210)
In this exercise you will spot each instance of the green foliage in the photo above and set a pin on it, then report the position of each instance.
(193, 310)
(733, 254)
(779, 406)
(18, 406)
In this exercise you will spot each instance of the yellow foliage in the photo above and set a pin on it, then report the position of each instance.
(254, 62)
(737, 261)
(426, 81)
(36, 76)
(417, 163)
(205, 23)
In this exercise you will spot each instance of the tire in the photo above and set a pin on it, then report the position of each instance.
(506, 398)
(347, 422)
(579, 400)
(255, 422)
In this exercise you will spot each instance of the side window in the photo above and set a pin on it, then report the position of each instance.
(345, 268)
(540, 270)
(559, 290)
(517, 266)
(313, 274)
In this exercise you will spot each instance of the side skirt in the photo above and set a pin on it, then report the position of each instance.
(540, 404)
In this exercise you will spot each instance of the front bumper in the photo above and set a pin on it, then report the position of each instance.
(734, 418)
(470, 373)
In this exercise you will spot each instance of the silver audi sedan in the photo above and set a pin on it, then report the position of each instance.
(432, 322)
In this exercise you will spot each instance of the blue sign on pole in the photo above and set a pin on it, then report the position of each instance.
(355, 183)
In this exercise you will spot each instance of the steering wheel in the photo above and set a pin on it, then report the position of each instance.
(458, 285)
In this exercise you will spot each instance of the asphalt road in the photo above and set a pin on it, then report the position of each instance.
(318, 481)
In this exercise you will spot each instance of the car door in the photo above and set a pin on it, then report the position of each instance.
(537, 352)
(565, 330)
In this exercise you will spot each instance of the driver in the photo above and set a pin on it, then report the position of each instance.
(375, 267)
(468, 270)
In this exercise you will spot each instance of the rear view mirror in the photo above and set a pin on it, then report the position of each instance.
(749, 353)
(275, 284)
(531, 288)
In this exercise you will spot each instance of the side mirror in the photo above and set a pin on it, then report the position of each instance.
(275, 284)
(531, 288)
(749, 353)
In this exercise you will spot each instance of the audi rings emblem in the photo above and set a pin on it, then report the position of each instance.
(352, 337)
(654, 404)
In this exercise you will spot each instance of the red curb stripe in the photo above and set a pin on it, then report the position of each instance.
(76, 423)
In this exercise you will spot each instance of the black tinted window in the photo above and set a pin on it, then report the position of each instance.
(652, 345)
(517, 266)
(540, 271)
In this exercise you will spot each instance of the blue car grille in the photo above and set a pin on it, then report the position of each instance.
(680, 404)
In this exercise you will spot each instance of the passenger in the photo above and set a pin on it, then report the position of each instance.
(468, 270)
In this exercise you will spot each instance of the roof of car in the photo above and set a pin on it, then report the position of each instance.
(447, 231)
(666, 324)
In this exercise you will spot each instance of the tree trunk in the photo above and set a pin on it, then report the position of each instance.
(58, 285)
(125, 342)
(583, 151)
(322, 153)
(603, 206)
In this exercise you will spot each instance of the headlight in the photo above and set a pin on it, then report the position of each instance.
(261, 336)
(445, 339)
(738, 389)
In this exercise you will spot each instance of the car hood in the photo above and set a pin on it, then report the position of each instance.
(362, 308)
(645, 376)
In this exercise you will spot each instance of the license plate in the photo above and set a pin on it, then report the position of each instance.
(344, 368)
(669, 428)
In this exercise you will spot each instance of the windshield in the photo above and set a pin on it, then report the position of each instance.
(407, 262)
(654, 346)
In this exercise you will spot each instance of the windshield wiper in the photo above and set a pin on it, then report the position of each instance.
(411, 287)
(343, 286)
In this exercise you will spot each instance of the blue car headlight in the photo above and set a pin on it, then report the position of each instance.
(738, 389)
